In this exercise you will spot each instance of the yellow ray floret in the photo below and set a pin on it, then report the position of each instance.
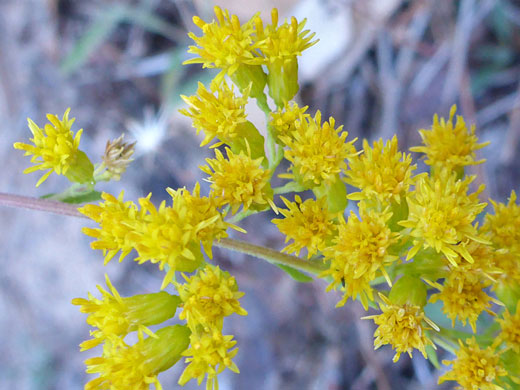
(225, 43)
(309, 224)
(403, 327)
(115, 316)
(209, 354)
(54, 148)
(317, 151)
(360, 253)
(208, 297)
(283, 121)
(218, 112)
(239, 181)
(449, 145)
(441, 215)
(381, 172)
(475, 368)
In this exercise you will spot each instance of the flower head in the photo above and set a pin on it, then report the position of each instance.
(239, 180)
(359, 252)
(225, 43)
(115, 316)
(208, 297)
(403, 327)
(54, 148)
(317, 151)
(282, 42)
(380, 172)
(441, 215)
(308, 223)
(218, 112)
(124, 366)
(117, 156)
(449, 145)
(209, 354)
(283, 120)
(503, 227)
(475, 368)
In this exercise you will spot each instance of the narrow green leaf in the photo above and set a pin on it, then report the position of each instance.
(87, 197)
(295, 274)
(432, 356)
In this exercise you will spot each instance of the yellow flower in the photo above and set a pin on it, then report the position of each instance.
(510, 325)
(463, 298)
(283, 120)
(239, 181)
(118, 221)
(317, 151)
(218, 112)
(55, 147)
(381, 172)
(441, 215)
(475, 368)
(449, 146)
(209, 354)
(115, 316)
(208, 297)
(359, 252)
(224, 44)
(503, 227)
(402, 326)
(309, 224)
(136, 367)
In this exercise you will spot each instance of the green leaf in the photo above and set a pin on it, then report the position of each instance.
(86, 197)
(295, 274)
(432, 356)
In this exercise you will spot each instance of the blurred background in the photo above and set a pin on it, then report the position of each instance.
(381, 67)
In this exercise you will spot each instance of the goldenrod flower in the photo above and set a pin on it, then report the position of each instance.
(403, 327)
(117, 156)
(449, 146)
(208, 297)
(209, 354)
(55, 149)
(475, 368)
(218, 112)
(359, 252)
(463, 298)
(239, 181)
(136, 367)
(510, 325)
(309, 224)
(283, 121)
(225, 44)
(441, 214)
(380, 172)
(118, 221)
(115, 316)
(503, 227)
(317, 151)
(280, 45)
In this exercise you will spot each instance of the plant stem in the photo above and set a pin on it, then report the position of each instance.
(272, 256)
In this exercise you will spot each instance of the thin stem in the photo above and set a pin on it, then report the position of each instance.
(272, 256)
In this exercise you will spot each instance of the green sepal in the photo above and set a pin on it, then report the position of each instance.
(283, 81)
(399, 213)
(254, 75)
(295, 274)
(82, 170)
(249, 135)
(509, 295)
(336, 194)
(166, 349)
(432, 356)
(183, 264)
(408, 290)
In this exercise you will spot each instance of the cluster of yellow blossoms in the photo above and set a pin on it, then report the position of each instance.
(411, 244)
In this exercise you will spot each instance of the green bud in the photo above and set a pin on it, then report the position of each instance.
(166, 349)
(336, 194)
(509, 295)
(252, 74)
(249, 135)
(408, 290)
(283, 81)
(151, 309)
